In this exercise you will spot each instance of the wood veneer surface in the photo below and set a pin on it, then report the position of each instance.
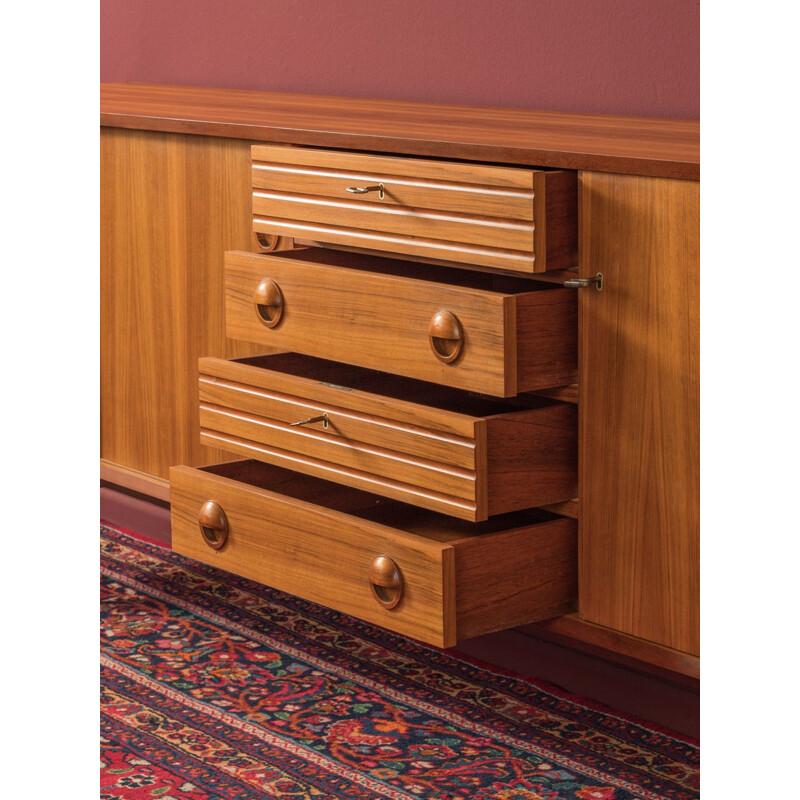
(605, 143)
(639, 425)
(520, 340)
(170, 206)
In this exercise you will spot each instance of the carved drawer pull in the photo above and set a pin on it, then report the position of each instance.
(268, 300)
(213, 524)
(385, 581)
(446, 336)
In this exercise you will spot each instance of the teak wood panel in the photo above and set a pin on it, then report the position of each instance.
(513, 459)
(505, 575)
(317, 540)
(573, 630)
(639, 408)
(410, 191)
(518, 220)
(305, 549)
(325, 385)
(602, 142)
(170, 206)
(350, 424)
(381, 320)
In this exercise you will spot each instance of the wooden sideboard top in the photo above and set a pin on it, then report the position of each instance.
(603, 143)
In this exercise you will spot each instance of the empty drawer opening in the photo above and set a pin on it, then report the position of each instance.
(350, 378)
(405, 270)
(371, 507)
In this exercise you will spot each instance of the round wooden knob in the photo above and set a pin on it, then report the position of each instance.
(213, 524)
(268, 300)
(385, 581)
(266, 241)
(446, 336)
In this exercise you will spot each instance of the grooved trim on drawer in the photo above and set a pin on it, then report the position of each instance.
(507, 218)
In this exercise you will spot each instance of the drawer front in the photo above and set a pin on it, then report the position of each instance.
(313, 552)
(467, 466)
(512, 219)
(415, 572)
(453, 335)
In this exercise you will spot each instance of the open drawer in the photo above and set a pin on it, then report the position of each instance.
(435, 447)
(508, 218)
(487, 333)
(416, 572)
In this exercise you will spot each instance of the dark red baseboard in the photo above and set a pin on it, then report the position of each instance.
(670, 704)
(150, 519)
(673, 704)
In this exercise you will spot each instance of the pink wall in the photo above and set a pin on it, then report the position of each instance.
(637, 57)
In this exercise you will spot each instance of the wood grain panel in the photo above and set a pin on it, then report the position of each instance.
(420, 169)
(639, 408)
(556, 214)
(520, 454)
(514, 204)
(317, 540)
(170, 206)
(377, 314)
(568, 508)
(133, 480)
(323, 445)
(423, 496)
(508, 578)
(439, 226)
(322, 381)
(303, 548)
(547, 339)
(371, 320)
(464, 213)
(606, 143)
(572, 629)
(532, 456)
(359, 239)
(385, 433)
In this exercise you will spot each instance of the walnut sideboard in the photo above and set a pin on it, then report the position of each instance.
(526, 286)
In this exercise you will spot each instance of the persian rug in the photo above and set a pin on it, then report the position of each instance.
(215, 687)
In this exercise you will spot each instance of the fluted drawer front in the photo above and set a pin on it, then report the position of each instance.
(412, 571)
(433, 447)
(511, 219)
(483, 333)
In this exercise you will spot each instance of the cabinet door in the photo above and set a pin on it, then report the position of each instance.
(639, 408)
(170, 206)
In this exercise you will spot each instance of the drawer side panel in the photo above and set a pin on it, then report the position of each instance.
(516, 577)
(532, 458)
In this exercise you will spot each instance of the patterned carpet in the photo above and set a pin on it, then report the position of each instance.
(216, 687)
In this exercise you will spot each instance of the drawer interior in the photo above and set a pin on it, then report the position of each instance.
(348, 377)
(371, 507)
(411, 270)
